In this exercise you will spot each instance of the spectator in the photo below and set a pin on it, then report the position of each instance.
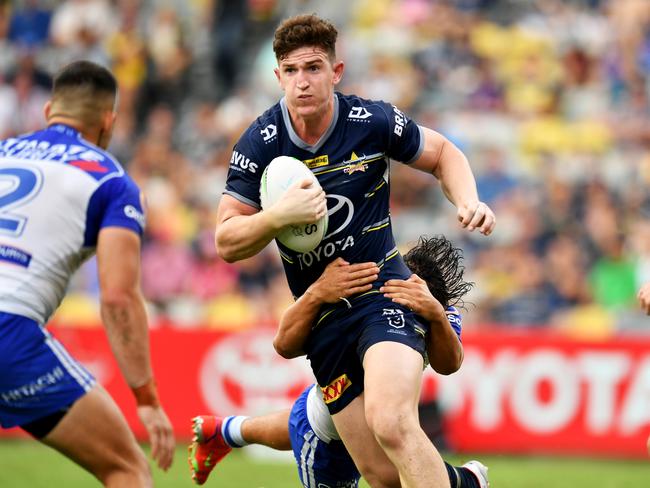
(551, 99)
(30, 25)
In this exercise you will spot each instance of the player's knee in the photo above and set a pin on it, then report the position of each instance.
(127, 469)
(140, 465)
(391, 427)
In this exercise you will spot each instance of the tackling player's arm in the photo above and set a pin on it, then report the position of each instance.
(448, 164)
(444, 349)
(243, 231)
(124, 316)
(644, 297)
(339, 280)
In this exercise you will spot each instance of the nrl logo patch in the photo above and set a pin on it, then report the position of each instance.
(395, 317)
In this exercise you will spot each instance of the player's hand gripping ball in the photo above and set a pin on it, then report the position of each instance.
(278, 176)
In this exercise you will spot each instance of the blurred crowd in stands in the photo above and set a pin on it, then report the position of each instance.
(549, 99)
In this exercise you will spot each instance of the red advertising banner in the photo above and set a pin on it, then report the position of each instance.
(199, 372)
(534, 392)
(519, 392)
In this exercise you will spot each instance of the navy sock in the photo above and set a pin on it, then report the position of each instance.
(460, 477)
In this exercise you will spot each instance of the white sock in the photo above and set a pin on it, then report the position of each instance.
(231, 430)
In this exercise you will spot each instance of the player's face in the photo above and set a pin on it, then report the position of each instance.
(307, 76)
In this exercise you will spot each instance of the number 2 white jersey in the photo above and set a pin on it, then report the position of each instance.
(57, 192)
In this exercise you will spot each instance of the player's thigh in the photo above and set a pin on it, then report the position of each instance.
(392, 381)
(370, 458)
(95, 435)
(391, 348)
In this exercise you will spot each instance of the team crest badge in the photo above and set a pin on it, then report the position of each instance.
(356, 163)
(353, 168)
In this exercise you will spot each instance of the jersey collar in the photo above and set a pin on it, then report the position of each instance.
(65, 129)
(296, 139)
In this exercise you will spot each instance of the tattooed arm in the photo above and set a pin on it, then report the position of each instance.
(125, 319)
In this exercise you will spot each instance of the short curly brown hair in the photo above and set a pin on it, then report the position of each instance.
(304, 30)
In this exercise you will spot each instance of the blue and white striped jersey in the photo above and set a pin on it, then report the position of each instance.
(56, 192)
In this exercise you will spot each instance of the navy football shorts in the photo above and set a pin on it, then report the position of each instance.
(320, 464)
(337, 344)
(37, 375)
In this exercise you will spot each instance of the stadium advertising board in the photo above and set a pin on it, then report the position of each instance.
(544, 393)
(516, 392)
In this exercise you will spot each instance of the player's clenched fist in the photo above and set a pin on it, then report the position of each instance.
(477, 215)
(644, 298)
(302, 203)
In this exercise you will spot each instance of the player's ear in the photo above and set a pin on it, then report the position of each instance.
(277, 76)
(106, 128)
(108, 120)
(47, 109)
(339, 67)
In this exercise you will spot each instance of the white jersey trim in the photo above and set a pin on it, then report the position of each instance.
(319, 417)
(83, 378)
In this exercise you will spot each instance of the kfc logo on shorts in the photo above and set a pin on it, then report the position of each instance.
(395, 317)
(335, 389)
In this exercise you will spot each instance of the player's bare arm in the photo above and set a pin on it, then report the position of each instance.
(243, 231)
(448, 164)
(339, 280)
(444, 350)
(124, 316)
(644, 298)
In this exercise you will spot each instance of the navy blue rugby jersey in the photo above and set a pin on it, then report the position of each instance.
(351, 162)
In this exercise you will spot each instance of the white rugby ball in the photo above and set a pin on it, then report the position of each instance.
(277, 177)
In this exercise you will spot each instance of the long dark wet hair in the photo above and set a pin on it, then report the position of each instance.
(439, 263)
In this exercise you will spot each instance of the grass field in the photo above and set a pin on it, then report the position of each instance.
(29, 464)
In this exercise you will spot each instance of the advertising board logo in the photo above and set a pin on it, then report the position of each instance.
(243, 373)
(335, 389)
